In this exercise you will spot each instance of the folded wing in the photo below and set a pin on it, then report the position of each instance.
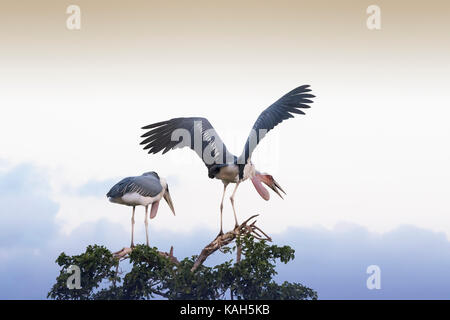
(284, 108)
(146, 186)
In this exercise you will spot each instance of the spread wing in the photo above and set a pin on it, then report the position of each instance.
(282, 109)
(195, 132)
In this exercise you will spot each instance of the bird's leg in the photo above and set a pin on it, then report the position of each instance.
(225, 184)
(232, 204)
(146, 223)
(132, 228)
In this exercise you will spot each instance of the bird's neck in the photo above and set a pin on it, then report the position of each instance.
(248, 171)
(241, 171)
(163, 183)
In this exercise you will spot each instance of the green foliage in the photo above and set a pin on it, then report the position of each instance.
(96, 264)
(155, 276)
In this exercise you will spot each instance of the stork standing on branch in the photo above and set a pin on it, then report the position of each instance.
(142, 190)
(198, 134)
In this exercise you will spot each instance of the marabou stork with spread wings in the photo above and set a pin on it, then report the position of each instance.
(198, 134)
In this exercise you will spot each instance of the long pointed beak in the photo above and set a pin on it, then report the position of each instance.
(268, 181)
(168, 199)
(275, 187)
(272, 184)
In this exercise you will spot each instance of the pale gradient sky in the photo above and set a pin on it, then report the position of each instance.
(414, 262)
(366, 170)
(372, 150)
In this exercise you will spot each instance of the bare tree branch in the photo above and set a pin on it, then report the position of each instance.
(226, 238)
(124, 253)
(217, 244)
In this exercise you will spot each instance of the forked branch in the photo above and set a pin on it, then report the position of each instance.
(245, 228)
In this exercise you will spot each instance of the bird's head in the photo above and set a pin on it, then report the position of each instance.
(268, 180)
(167, 196)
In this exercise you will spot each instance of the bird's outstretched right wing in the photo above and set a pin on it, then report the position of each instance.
(282, 109)
(194, 132)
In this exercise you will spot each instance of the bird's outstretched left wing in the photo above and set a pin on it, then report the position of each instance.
(195, 132)
(280, 110)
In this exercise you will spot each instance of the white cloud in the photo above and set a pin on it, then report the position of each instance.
(371, 150)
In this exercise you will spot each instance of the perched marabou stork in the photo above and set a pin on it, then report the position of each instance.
(198, 134)
(142, 190)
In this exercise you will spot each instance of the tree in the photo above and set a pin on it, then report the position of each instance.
(155, 275)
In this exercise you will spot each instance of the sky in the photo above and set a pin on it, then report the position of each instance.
(365, 170)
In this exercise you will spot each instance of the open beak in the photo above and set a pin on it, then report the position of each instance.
(270, 182)
(275, 187)
(169, 200)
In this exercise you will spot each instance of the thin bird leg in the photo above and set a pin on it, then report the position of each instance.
(132, 228)
(146, 223)
(232, 204)
(225, 184)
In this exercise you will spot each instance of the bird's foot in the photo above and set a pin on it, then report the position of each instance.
(121, 254)
(218, 238)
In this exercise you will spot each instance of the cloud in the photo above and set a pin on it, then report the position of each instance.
(26, 210)
(414, 262)
(26, 231)
(97, 188)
